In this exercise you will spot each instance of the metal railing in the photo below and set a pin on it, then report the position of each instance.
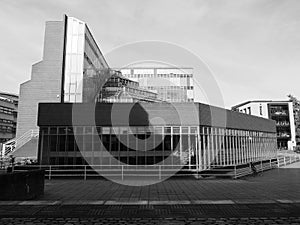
(154, 171)
(160, 171)
(285, 159)
(14, 144)
(27, 136)
(121, 171)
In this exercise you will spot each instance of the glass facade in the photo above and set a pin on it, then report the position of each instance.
(197, 147)
(171, 84)
(84, 63)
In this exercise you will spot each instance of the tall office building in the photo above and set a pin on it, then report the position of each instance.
(281, 112)
(72, 70)
(171, 84)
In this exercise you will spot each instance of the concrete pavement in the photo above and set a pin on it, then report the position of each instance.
(272, 197)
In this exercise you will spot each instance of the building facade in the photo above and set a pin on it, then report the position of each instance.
(121, 89)
(73, 81)
(8, 116)
(280, 111)
(72, 70)
(8, 120)
(171, 84)
(188, 140)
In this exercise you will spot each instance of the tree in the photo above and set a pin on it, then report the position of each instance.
(296, 106)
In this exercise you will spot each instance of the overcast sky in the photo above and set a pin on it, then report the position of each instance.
(253, 47)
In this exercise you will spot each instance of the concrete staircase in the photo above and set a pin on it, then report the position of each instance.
(25, 146)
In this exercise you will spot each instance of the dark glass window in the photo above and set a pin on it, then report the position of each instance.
(61, 143)
(167, 143)
(53, 143)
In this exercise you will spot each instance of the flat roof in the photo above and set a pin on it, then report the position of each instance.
(140, 114)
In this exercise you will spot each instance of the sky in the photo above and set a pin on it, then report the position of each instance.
(252, 47)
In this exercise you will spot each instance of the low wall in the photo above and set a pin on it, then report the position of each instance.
(23, 185)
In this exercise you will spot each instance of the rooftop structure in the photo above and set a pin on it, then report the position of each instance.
(172, 84)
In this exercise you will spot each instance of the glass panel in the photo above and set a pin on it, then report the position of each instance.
(176, 130)
(167, 130)
(105, 130)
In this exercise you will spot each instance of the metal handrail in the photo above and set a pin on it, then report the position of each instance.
(26, 137)
(154, 170)
(12, 145)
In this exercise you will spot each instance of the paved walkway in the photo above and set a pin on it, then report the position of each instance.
(277, 184)
(270, 198)
(146, 221)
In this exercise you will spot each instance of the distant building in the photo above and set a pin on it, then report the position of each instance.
(120, 89)
(8, 119)
(171, 84)
(8, 116)
(281, 112)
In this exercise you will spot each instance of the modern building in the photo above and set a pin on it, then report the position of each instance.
(121, 89)
(8, 116)
(86, 113)
(72, 70)
(280, 111)
(8, 119)
(185, 135)
(171, 84)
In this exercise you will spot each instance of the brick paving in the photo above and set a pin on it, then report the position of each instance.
(270, 198)
(277, 184)
(152, 211)
(145, 221)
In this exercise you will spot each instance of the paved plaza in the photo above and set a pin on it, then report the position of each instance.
(273, 185)
(272, 197)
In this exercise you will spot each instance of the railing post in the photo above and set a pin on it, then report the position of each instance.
(284, 162)
(84, 172)
(49, 175)
(122, 172)
(159, 172)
